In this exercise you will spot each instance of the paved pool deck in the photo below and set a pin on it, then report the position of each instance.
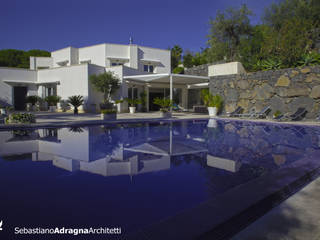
(297, 218)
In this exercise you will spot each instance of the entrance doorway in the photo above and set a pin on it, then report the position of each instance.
(20, 94)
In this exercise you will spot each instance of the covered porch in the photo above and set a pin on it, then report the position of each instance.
(173, 86)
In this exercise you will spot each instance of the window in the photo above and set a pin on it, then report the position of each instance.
(148, 68)
(116, 63)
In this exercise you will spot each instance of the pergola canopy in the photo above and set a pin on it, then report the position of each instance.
(165, 78)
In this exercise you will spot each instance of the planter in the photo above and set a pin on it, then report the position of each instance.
(212, 111)
(132, 110)
(52, 108)
(165, 114)
(108, 116)
(212, 123)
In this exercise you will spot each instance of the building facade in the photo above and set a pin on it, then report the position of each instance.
(67, 73)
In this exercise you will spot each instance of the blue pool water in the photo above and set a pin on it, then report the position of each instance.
(135, 175)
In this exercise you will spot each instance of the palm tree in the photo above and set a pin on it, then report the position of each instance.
(76, 101)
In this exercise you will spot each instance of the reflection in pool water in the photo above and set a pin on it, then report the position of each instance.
(150, 171)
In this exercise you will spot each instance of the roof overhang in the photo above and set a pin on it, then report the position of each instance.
(150, 61)
(165, 78)
(119, 59)
(19, 82)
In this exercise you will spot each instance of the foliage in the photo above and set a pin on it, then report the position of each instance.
(226, 31)
(52, 100)
(76, 101)
(133, 101)
(33, 99)
(277, 113)
(309, 59)
(164, 104)
(108, 111)
(118, 101)
(178, 70)
(143, 97)
(211, 100)
(21, 118)
(19, 58)
(187, 59)
(106, 83)
(176, 54)
(268, 64)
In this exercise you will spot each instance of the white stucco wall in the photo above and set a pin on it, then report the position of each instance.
(36, 62)
(16, 74)
(155, 54)
(73, 80)
(61, 55)
(226, 69)
(94, 53)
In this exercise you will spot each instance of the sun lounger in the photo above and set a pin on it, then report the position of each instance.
(248, 114)
(263, 113)
(298, 115)
(236, 112)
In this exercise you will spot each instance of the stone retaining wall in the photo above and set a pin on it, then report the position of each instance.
(284, 90)
(201, 70)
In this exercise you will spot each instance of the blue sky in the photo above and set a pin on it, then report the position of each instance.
(50, 25)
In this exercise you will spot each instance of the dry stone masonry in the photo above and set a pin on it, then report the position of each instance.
(284, 90)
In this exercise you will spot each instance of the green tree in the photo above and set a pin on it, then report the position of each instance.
(176, 54)
(106, 83)
(19, 58)
(187, 59)
(226, 32)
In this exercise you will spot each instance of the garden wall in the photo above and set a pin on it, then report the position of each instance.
(284, 90)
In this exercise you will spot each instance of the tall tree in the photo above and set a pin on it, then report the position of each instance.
(176, 54)
(226, 31)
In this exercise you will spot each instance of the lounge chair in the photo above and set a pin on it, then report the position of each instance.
(236, 112)
(263, 113)
(178, 108)
(249, 114)
(298, 115)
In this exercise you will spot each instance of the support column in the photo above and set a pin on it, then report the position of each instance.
(171, 90)
(147, 96)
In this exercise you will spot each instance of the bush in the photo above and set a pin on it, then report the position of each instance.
(133, 102)
(33, 100)
(178, 70)
(164, 104)
(108, 111)
(52, 100)
(21, 118)
(211, 100)
(76, 101)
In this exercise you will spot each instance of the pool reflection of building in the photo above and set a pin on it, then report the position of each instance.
(75, 149)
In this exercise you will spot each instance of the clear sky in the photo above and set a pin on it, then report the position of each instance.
(55, 24)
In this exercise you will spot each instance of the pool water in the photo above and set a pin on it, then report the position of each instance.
(135, 175)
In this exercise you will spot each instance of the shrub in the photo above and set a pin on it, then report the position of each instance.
(108, 111)
(164, 104)
(133, 101)
(33, 100)
(21, 118)
(277, 113)
(76, 101)
(178, 70)
(52, 100)
(211, 100)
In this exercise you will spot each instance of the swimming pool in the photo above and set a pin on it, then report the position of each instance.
(140, 176)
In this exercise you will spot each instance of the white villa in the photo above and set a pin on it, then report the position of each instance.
(67, 72)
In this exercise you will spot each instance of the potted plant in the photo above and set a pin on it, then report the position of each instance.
(107, 84)
(108, 114)
(165, 105)
(52, 102)
(33, 100)
(132, 104)
(76, 101)
(213, 102)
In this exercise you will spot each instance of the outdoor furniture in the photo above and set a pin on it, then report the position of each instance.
(200, 109)
(236, 112)
(263, 113)
(298, 115)
(251, 112)
(178, 108)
